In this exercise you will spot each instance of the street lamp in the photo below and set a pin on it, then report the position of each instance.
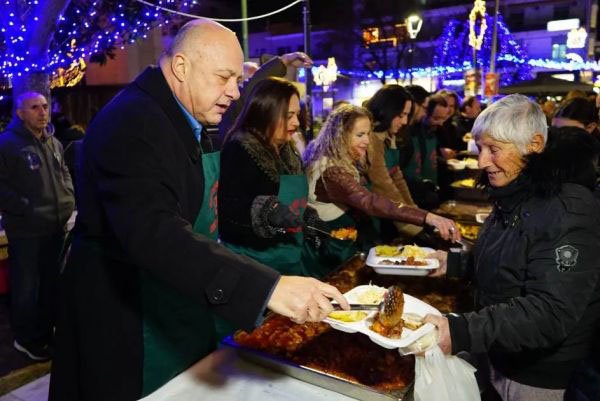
(413, 26)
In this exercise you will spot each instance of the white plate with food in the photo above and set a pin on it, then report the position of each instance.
(402, 260)
(410, 336)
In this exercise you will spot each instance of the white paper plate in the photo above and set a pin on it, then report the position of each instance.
(409, 337)
(401, 270)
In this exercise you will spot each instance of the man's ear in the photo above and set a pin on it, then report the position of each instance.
(537, 143)
(19, 113)
(179, 66)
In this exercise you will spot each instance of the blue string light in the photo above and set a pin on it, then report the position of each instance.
(87, 27)
(512, 61)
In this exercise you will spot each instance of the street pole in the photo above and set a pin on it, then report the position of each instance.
(494, 39)
(245, 28)
(411, 60)
(308, 79)
(494, 45)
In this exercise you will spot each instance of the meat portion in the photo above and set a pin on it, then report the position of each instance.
(388, 322)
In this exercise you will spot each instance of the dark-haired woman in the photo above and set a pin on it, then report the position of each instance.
(391, 107)
(262, 187)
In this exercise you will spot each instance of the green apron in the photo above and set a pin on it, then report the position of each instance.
(178, 331)
(332, 252)
(392, 159)
(423, 165)
(285, 256)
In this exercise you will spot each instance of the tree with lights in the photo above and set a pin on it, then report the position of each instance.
(39, 36)
(454, 52)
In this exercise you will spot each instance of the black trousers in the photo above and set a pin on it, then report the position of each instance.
(34, 265)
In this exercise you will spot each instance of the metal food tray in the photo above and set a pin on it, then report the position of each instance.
(317, 377)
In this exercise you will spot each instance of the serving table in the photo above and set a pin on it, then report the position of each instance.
(314, 361)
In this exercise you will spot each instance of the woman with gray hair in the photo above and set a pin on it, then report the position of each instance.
(535, 263)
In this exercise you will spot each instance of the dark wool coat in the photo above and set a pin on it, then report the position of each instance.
(140, 186)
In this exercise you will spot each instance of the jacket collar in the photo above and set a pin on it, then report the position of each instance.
(273, 165)
(16, 125)
(152, 81)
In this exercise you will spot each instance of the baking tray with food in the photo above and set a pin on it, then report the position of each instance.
(467, 189)
(341, 362)
(348, 363)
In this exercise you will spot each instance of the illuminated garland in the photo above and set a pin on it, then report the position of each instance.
(98, 26)
(453, 50)
(476, 40)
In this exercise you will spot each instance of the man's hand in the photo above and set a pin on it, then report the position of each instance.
(304, 299)
(296, 59)
(446, 227)
(442, 257)
(444, 339)
(448, 153)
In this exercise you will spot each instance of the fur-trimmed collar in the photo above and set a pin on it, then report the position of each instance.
(287, 162)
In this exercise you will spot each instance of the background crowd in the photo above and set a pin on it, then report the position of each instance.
(177, 244)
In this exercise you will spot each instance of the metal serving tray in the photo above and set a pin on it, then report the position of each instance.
(317, 377)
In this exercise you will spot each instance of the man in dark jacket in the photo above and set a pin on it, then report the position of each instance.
(36, 199)
(140, 286)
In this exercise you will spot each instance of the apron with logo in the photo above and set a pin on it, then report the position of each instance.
(178, 331)
(285, 256)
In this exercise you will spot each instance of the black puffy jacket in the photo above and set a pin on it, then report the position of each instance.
(537, 272)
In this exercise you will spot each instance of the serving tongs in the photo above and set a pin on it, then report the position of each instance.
(390, 309)
(329, 235)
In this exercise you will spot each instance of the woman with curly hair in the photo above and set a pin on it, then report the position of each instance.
(335, 164)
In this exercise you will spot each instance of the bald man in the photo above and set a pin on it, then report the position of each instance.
(36, 199)
(141, 287)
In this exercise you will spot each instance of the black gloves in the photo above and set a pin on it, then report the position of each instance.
(280, 216)
(315, 229)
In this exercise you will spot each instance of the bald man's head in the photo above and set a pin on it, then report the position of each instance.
(203, 66)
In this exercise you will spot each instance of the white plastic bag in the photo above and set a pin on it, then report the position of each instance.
(440, 377)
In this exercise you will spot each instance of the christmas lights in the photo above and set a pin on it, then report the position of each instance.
(453, 50)
(97, 26)
(475, 40)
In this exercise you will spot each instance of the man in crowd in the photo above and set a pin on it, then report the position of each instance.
(141, 286)
(36, 199)
(421, 170)
(470, 108)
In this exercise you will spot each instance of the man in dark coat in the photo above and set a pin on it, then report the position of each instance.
(140, 287)
(36, 199)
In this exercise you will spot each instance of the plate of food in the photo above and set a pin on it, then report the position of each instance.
(402, 260)
(465, 183)
(399, 326)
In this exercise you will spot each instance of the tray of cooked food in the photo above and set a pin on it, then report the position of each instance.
(402, 260)
(467, 189)
(348, 363)
(394, 322)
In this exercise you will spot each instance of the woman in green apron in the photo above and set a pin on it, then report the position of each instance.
(262, 187)
(338, 191)
(391, 107)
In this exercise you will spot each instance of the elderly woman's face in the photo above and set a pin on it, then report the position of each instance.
(501, 161)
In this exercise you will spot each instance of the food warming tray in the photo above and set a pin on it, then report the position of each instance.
(317, 377)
